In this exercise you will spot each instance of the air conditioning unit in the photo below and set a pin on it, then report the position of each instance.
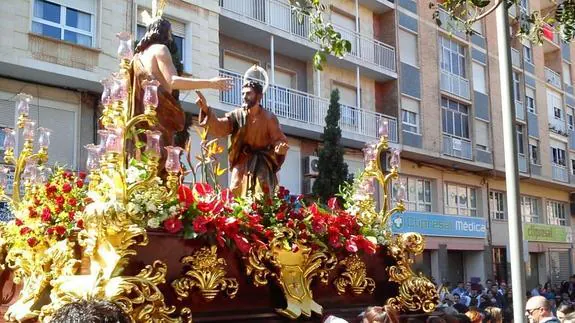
(310, 167)
(308, 185)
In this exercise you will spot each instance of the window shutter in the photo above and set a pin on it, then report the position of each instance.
(62, 123)
(7, 113)
(479, 78)
(482, 133)
(237, 64)
(410, 105)
(347, 95)
(408, 47)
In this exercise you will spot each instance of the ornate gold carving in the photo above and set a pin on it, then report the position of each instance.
(416, 292)
(293, 272)
(207, 273)
(354, 277)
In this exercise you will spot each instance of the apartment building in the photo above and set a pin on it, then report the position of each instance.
(437, 88)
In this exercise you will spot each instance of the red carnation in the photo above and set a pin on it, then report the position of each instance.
(60, 230)
(66, 188)
(72, 202)
(32, 213)
(59, 200)
(25, 230)
(185, 195)
(71, 215)
(50, 231)
(18, 222)
(46, 215)
(82, 175)
(32, 242)
(280, 216)
(173, 225)
(80, 224)
(80, 183)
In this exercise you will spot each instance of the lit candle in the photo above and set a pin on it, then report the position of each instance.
(23, 103)
(173, 159)
(153, 143)
(151, 93)
(384, 129)
(44, 137)
(93, 159)
(9, 138)
(29, 130)
(125, 46)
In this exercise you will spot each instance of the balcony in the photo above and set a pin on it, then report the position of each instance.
(560, 173)
(557, 125)
(455, 84)
(261, 18)
(551, 39)
(522, 162)
(457, 147)
(309, 111)
(515, 58)
(519, 111)
(378, 6)
(553, 77)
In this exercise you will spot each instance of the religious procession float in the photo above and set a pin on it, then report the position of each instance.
(130, 230)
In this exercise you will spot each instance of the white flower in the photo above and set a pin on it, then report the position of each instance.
(154, 223)
(150, 207)
(172, 209)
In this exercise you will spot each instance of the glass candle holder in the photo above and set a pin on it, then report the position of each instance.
(114, 141)
(4, 177)
(106, 97)
(44, 137)
(23, 103)
(9, 138)
(30, 173)
(401, 193)
(29, 130)
(395, 161)
(119, 87)
(151, 93)
(173, 159)
(384, 129)
(153, 143)
(93, 159)
(103, 133)
(125, 46)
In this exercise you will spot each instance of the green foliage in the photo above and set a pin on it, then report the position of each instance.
(332, 169)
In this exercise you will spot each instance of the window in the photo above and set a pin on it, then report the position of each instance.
(408, 52)
(556, 214)
(460, 200)
(517, 86)
(570, 120)
(534, 151)
(558, 156)
(478, 27)
(524, 5)
(452, 57)
(566, 73)
(528, 53)
(497, 205)
(177, 34)
(572, 166)
(482, 135)
(530, 209)
(74, 25)
(455, 117)
(410, 115)
(418, 193)
(554, 103)
(520, 141)
(479, 78)
(530, 99)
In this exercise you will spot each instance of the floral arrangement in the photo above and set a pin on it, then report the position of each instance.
(51, 213)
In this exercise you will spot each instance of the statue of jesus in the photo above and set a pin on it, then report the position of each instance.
(258, 146)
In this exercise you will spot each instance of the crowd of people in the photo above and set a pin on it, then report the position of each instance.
(493, 301)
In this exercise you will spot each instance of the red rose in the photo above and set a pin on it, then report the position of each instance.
(46, 215)
(72, 202)
(32, 242)
(254, 207)
(18, 222)
(82, 175)
(50, 231)
(280, 216)
(60, 230)
(59, 200)
(80, 224)
(173, 225)
(25, 230)
(71, 215)
(80, 183)
(66, 188)
(185, 195)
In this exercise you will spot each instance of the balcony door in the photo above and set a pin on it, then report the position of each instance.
(281, 100)
(349, 119)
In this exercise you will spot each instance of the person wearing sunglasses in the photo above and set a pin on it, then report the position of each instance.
(538, 310)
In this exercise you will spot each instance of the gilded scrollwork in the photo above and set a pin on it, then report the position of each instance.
(207, 273)
(354, 276)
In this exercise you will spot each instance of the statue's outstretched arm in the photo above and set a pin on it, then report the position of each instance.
(217, 127)
(175, 82)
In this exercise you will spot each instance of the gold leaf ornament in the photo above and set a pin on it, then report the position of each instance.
(354, 277)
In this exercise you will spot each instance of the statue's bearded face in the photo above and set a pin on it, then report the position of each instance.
(250, 98)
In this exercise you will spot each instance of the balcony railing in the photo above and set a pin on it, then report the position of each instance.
(553, 77)
(560, 173)
(515, 58)
(519, 111)
(558, 125)
(522, 163)
(550, 34)
(455, 84)
(369, 50)
(306, 108)
(278, 14)
(457, 147)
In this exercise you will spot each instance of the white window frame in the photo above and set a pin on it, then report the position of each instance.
(557, 213)
(413, 201)
(528, 53)
(572, 166)
(558, 156)
(411, 127)
(534, 146)
(570, 118)
(464, 116)
(530, 100)
(517, 86)
(479, 79)
(497, 205)
(462, 209)
(520, 139)
(566, 69)
(62, 25)
(453, 49)
(530, 209)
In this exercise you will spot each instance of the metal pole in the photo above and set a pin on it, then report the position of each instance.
(273, 70)
(511, 166)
